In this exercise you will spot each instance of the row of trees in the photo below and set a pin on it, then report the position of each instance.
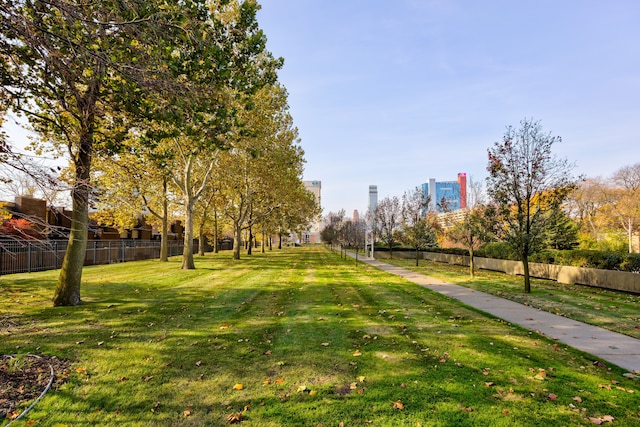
(394, 221)
(524, 205)
(155, 103)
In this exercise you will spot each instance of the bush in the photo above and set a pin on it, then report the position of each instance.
(605, 260)
(497, 250)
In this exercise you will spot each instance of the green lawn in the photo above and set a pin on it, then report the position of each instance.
(613, 310)
(296, 337)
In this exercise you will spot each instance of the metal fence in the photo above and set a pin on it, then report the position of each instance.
(29, 256)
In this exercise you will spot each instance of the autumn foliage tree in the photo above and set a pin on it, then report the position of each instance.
(526, 182)
(417, 230)
(387, 220)
(66, 66)
(475, 224)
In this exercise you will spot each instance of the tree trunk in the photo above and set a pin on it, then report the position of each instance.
(201, 240)
(164, 239)
(472, 268)
(238, 241)
(417, 257)
(250, 243)
(215, 232)
(527, 281)
(67, 291)
(187, 251)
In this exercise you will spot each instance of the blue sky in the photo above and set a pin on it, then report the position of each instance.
(396, 92)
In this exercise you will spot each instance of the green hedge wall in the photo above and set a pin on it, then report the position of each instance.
(576, 257)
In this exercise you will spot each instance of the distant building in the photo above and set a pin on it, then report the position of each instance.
(447, 196)
(313, 234)
(373, 199)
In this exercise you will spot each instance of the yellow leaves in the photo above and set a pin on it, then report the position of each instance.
(234, 418)
(238, 386)
(13, 415)
(600, 420)
(540, 375)
(279, 381)
(398, 405)
(357, 353)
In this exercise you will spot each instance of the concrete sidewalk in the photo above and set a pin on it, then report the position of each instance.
(609, 346)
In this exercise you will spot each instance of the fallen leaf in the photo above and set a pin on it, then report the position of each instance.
(313, 393)
(552, 396)
(488, 384)
(268, 352)
(505, 412)
(238, 386)
(468, 409)
(357, 353)
(123, 379)
(279, 381)
(266, 382)
(577, 399)
(541, 375)
(398, 405)
(186, 413)
(325, 344)
(234, 418)
(199, 362)
(302, 388)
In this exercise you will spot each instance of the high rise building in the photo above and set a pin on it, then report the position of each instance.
(446, 196)
(373, 199)
(462, 180)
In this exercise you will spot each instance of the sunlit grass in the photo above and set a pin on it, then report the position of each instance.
(613, 310)
(311, 339)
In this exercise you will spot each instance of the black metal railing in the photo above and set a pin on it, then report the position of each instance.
(29, 256)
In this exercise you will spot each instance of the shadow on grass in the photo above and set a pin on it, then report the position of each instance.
(311, 339)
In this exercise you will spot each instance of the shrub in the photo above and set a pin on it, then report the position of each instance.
(497, 250)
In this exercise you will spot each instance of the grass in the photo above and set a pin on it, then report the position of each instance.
(296, 337)
(609, 309)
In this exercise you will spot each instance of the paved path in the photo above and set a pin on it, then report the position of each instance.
(613, 347)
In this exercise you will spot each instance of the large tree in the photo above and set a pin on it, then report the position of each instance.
(67, 66)
(527, 182)
(474, 224)
(417, 231)
(623, 199)
(387, 221)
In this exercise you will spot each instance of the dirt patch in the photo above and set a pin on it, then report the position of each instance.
(24, 377)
